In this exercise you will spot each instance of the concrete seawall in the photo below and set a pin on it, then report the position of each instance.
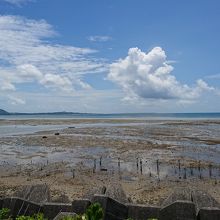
(113, 210)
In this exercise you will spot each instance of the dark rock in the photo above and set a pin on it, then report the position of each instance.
(57, 133)
(104, 169)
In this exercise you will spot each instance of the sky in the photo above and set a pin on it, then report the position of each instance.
(110, 56)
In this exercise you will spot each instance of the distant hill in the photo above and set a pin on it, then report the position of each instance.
(3, 112)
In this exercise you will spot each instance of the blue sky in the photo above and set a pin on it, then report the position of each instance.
(110, 56)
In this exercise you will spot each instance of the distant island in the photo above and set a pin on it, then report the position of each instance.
(3, 112)
(117, 115)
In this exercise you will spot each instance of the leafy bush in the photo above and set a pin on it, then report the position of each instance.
(77, 217)
(4, 213)
(39, 216)
(94, 212)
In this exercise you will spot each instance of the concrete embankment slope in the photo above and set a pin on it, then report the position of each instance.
(182, 204)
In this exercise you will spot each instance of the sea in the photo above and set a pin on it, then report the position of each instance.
(149, 116)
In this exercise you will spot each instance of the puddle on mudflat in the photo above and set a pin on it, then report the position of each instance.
(151, 163)
(39, 154)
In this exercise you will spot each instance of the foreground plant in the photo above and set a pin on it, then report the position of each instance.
(4, 213)
(94, 212)
(39, 216)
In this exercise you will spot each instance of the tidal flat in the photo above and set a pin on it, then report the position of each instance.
(145, 158)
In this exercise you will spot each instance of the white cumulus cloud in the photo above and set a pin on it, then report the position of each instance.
(27, 55)
(148, 76)
(56, 81)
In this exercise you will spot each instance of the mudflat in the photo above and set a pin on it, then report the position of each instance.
(147, 159)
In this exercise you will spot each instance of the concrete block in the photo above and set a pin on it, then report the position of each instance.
(1, 203)
(142, 212)
(203, 199)
(94, 190)
(35, 193)
(61, 215)
(112, 208)
(7, 203)
(79, 206)
(116, 192)
(179, 193)
(179, 210)
(19, 206)
(51, 210)
(209, 213)
(30, 208)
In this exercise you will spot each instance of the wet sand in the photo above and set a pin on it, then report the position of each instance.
(173, 153)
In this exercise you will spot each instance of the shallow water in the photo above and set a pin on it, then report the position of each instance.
(186, 141)
(9, 130)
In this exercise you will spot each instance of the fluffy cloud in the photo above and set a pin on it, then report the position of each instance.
(99, 38)
(56, 81)
(17, 2)
(26, 55)
(148, 76)
(6, 86)
(13, 100)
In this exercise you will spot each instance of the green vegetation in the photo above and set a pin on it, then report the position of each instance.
(77, 217)
(4, 213)
(94, 212)
(39, 216)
